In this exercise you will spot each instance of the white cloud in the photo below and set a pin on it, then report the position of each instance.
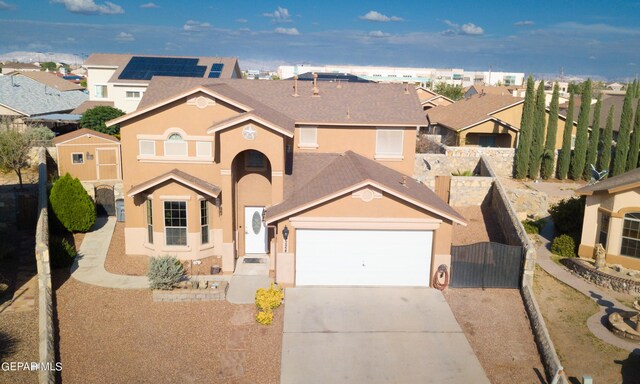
(379, 17)
(124, 36)
(465, 29)
(472, 29)
(598, 29)
(378, 34)
(524, 23)
(241, 20)
(89, 7)
(149, 5)
(4, 6)
(280, 15)
(194, 26)
(592, 58)
(287, 31)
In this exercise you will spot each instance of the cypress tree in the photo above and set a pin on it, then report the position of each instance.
(537, 134)
(607, 140)
(565, 152)
(552, 130)
(594, 139)
(632, 158)
(582, 133)
(526, 122)
(622, 144)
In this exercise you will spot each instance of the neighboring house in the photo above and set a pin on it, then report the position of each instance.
(490, 90)
(430, 99)
(89, 155)
(314, 177)
(612, 218)
(123, 79)
(8, 68)
(42, 98)
(617, 87)
(483, 120)
(331, 76)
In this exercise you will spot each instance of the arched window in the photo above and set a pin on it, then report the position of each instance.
(175, 145)
(631, 235)
(175, 136)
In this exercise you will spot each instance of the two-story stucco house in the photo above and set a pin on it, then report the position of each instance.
(316, 178)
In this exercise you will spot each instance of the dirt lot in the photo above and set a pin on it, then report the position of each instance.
(122, 336)
(482, 226)
(565, 312)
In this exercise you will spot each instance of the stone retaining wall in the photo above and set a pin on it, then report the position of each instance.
(469, 190)
(46, 335)
(187, 295)
(528, 202)
(618, 284)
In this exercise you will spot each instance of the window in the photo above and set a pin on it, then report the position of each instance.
(254, 160)
(101, 91)
(175, 146)
(573, 142)
(604, 229)
(389, 143)
(149, 222)
(203, 149)
(487, 141)
(175, 222)
(308, 137)
(631, 235)
(133, 94)
(204, 222)
(77, 158)
(147, 147)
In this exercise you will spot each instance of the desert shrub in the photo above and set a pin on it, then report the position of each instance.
(567, 216)
(61, 252)
(96, 118)
(462, 173)
(267, 300)
(165, 272)
(39, 135)
(564, 246)
(533, 227)
(72, 205)
(264, 317)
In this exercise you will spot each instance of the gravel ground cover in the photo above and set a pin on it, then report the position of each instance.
(482, 226)
(122, 336)
(19, 343)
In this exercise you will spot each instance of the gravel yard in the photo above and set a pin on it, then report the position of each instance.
(122, 336)
(19, 343)
(482, 226)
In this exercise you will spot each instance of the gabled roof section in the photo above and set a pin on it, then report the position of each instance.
(287, 130)
(82, 108)
(471, 111)
(51, 80)
(67, 137)
(620, 183)
(350, 171)
(177, 175)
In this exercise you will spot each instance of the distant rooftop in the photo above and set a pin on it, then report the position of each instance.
(30, 97)
(330, 76)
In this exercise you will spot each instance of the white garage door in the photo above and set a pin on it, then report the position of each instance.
(363, 257)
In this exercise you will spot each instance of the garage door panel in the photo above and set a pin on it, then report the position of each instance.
(363, 257)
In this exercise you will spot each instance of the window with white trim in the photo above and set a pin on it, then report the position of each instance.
(204, 222)
(203, 149)
(101, 91)
(389, 143)
(133, 94)
(149, 209)
(175, 146)
(308, 137)
(631, 235)
(77, 158)
(604, 229)
(147, 147)
(175, 222)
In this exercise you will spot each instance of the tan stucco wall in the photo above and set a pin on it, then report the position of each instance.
(88, 170)
(8, 112)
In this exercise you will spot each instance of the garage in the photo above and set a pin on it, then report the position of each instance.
(344, 257)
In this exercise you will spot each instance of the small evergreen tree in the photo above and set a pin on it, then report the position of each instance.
(632, 158)
(537, 135)
(565, 153)
(552, 130)
(594, 140)
(622, 144)
(607, 140)
(96, 117)
(582, 133)
(72, 205)
(526, 127)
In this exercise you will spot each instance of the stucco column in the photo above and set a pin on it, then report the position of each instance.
(614, 237)
(590, 225)
(228, 241)
(462, 137)
(277, 187)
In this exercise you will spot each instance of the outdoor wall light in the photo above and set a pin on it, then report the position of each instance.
(285, 233)
(89, 156)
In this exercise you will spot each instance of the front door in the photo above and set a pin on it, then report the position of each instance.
(255, 234)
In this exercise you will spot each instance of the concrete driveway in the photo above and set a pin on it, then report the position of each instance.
(374, 335)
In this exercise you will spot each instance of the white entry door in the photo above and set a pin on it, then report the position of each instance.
(255, 233)
(363, 257)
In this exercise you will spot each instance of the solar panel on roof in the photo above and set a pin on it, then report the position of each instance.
(216, 70)
(144, 68)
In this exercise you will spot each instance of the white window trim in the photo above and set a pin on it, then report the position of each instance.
(140, 93)
(204, 155)
(149, 217)
(183, 141)
(202, 226)
(186, 228)
(95, 87)
(77, 153)
(310, 145)
(389, 156)
(140, 147)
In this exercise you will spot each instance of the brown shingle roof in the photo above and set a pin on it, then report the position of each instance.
(349, 170)
(81, 132)
(470, 111)
(52, 80)
(607, 102)
(82, 108)
(615, 184)
(20, 66)
(181, 177)
(492, 90)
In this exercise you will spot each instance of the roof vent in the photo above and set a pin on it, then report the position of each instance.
(295, 86)
(316, 91)
(348, 113)
(406, 88)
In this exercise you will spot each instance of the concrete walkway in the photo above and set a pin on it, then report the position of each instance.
(597, 322)
(247, 279)
(88, 267)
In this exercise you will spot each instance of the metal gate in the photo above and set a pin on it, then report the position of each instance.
(486, 265)
(105, 200)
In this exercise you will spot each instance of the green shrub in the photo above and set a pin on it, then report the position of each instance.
(96, 118)
(72, 205)
(61, 253)
(564, 246)
(462, 173)
(533, 227)
(567, 216)
(165, 272)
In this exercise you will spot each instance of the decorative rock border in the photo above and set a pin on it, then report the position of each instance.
(219, 292)
(616, 324)
(618, 284)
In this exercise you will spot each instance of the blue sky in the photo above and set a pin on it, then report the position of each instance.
(588, 37)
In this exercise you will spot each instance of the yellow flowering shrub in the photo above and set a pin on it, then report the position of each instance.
(264, 317)
(268, 299)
